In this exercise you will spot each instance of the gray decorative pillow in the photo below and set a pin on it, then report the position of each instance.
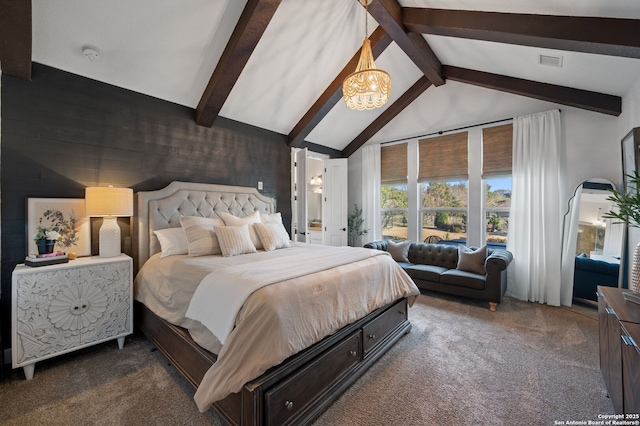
(472, 260)
(399, 251)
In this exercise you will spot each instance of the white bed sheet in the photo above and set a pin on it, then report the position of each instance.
(339, 297)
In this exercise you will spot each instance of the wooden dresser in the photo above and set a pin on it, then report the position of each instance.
(619, 324)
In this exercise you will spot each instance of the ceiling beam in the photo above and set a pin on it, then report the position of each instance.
(388, 13)
(389, 114)
(15, 38)
(604, 36)
(250, 27)
(583, 99)
(333, 93)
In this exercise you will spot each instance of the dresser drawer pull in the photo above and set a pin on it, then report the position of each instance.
(372, 336)
(599, 294)
(288, 405)
(610, 311)
(628, 340)
(353, 353)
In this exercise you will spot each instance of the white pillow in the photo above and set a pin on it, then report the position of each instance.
(272, 235)
(200, 235)
(271, 218)
(231, 220)
(235, 240)
(172, 241)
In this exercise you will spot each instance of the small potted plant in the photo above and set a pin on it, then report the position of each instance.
(46, 239)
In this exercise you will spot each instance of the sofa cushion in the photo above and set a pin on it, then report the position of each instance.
(399, 251)
(472, 260)
(460, 278)
(425, 272)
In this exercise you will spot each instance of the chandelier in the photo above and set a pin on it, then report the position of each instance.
(368, 87)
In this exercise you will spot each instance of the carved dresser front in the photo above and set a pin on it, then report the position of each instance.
(61, 308)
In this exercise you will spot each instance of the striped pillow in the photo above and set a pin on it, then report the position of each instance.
(272, 235)
(200, 234)
(235, 240)
(231, 220)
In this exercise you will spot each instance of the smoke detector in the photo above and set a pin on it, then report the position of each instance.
(91, 52)
(551, 61)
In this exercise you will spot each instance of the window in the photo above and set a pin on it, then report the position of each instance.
(444, 211)
(395, 204)
(444, 191)
(394, 201)
(497, 204)
(454, 187)
(496, 171)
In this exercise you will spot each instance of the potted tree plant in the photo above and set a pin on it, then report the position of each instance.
(354, 224)
(628, 212)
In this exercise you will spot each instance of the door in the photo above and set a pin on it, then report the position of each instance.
(299, 195)
(334, 209)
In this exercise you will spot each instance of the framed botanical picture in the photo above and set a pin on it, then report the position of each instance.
(66, 217)
(630, 156)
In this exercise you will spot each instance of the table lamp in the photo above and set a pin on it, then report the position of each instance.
(109, 203)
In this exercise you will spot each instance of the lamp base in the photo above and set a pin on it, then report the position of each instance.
(110, 237)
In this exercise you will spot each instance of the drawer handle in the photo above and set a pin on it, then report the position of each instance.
(599, 294)
(288, 405)
(628, 340)
(353, 353)
(610, 311)
(372, 336)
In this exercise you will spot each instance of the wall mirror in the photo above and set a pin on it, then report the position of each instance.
(593, 252)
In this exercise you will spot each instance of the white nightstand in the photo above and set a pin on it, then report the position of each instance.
(60, 308)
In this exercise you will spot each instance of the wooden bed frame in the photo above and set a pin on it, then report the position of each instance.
(303, 386)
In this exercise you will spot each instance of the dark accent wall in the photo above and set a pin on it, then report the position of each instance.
(62, 132)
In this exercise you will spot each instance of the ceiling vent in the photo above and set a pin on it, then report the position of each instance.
(551, 61)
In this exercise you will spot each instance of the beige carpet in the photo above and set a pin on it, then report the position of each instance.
(527, 364)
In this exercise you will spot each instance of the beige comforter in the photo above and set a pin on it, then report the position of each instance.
(281, 319)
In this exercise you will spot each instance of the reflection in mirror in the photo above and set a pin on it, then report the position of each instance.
(593, 245)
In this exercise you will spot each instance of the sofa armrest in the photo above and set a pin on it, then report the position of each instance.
(497, 261)
(378, 245)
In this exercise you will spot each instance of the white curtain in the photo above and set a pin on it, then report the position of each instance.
(535, 222)
(570, 240)
(371, 192)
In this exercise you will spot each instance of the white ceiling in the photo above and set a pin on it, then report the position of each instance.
(169, 49)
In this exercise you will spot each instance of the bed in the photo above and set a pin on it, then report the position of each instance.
(299, 373)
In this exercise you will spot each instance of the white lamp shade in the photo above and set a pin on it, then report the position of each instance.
(108, 201)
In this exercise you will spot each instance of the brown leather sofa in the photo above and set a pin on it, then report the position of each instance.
(434, 267)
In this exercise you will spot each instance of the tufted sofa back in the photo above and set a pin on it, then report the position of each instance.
(442, 255)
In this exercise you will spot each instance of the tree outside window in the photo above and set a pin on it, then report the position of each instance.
(444, 210)
(395, 205)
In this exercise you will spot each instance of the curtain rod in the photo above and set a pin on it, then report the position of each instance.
(450, 130)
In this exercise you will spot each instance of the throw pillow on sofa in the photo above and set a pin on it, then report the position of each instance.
(399, 251)
(472, 260)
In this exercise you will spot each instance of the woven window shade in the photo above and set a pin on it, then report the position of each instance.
(393, 163)
(497, 148)
(444, 158)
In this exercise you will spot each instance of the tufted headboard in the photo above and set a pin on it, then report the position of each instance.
(162, 209)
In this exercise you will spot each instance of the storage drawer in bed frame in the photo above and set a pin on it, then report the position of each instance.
(302, 387)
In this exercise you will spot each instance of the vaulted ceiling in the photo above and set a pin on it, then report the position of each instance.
(279, 64)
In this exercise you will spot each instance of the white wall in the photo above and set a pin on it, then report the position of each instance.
(629, 119)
